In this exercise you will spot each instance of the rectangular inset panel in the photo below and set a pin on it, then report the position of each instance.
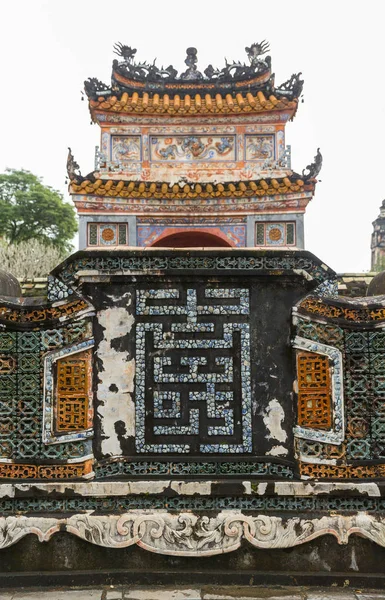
(72, 393)
(125, 148)
(314, 391)
(192, 148)
(274, 233)
(73, 379)
(67, 403)
(107, 234)
(260, 147)
(122, 234)
(92, 234)
(290, 234)
(193, 390)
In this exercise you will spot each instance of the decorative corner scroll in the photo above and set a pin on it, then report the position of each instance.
(313, 170)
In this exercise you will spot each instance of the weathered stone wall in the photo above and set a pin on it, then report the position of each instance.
(174, 400)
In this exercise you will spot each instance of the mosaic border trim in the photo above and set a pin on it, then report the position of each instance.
(187, 534)
(121, 504)
(72, 469)
(337, 435)
(350, 311)
(150, 468)
(147, 262)
(37, 315)
(49, 400)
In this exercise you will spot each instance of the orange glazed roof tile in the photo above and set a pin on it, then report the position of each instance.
(192, 104)
(141, 189)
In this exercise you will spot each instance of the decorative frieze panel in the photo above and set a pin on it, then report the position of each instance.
(260, 147)
(125, 148)
(189, 534)
(193, 148)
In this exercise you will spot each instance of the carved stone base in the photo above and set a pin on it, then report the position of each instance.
(187, 534)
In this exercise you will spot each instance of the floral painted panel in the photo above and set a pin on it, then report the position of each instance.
(192, 147)
(260, 147)
(125, 148)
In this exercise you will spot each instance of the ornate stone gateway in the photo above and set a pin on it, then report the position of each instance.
(192, 401)
(164, 380)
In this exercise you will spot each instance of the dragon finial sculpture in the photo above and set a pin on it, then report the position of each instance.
(292, 87)
(313, 170)
(126, 52)
(255, 51)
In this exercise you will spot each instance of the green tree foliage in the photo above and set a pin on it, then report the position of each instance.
(30, 210)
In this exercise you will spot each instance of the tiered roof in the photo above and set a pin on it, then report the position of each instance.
(144, 88)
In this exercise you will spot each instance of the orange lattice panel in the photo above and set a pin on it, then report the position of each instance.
(317, 471)
(314, 391)
(27, 471)
(73, 391)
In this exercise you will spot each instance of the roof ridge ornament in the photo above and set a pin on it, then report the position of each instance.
(74, 173)
(127, 66)
(191, 62)
(73, 169)
(131, 76)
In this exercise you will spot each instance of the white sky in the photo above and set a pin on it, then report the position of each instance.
(48, 48)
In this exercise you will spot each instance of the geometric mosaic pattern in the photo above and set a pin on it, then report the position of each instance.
(21, 397)
(193, 389)
(133, 261)
(364, 399)
(116, 505)
(215, 467)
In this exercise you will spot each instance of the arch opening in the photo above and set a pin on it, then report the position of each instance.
(191, 239)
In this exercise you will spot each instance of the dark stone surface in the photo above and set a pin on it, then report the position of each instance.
(377, 286)
(67, 559)
(271, 301)
(9, 285)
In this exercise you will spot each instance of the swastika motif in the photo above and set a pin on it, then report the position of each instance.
(193, 388)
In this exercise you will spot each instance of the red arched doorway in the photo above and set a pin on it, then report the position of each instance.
(195, 238)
